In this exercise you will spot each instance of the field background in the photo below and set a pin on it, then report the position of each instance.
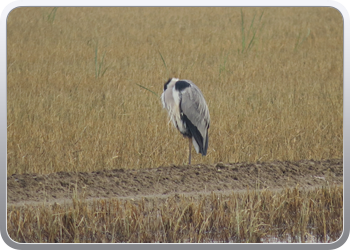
(272, 78)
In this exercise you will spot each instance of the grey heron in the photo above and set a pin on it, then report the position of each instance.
(188, 111)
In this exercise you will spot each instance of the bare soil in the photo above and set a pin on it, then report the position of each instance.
(170, 180)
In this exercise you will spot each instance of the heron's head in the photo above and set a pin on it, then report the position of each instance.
(170, 83)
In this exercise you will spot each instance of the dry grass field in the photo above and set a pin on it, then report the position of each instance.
(292, 215)
(85, 121)
(272, 78)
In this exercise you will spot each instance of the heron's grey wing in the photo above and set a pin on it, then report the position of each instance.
(195, 108)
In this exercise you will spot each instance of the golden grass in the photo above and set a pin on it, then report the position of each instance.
(291, 215)
(73, 103)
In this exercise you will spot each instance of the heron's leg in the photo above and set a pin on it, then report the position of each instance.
(189, 149)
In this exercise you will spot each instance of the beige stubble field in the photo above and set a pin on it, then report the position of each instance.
(278, 100)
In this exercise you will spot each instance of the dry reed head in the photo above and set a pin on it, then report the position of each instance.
(274, 86)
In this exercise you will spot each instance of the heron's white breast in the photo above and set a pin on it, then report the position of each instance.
(176, 114)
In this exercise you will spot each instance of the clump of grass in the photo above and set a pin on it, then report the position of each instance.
(223, 65)
(291, 215)
(52, 15)
(248, 39)
(99, 62)
(299, 41)
(154, 93)
(164, 63)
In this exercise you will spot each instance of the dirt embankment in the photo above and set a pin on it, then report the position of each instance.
(119, 183)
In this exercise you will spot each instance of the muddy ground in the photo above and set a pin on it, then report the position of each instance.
(169, 180)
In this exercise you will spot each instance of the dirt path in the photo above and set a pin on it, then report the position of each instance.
(33, 188)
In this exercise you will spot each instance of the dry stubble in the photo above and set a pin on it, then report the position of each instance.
(73, 103)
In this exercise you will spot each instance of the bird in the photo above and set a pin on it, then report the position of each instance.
(188, 112)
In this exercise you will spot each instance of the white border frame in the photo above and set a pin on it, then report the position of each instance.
(7, 6)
